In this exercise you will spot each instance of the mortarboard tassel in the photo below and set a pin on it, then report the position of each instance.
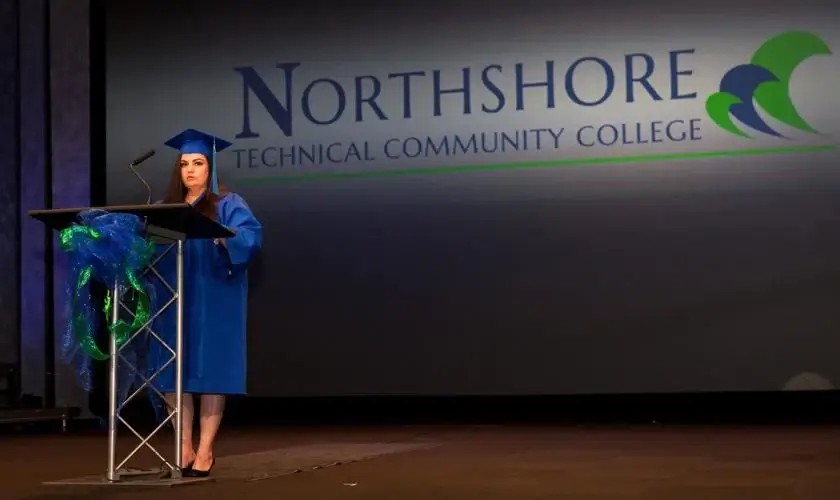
(214, 180)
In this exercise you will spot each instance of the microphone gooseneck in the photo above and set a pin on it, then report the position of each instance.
(140, 159)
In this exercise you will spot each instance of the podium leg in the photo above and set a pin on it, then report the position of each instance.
(179, 360)
(113, 390)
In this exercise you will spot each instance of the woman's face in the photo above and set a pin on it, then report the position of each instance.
(194, 171)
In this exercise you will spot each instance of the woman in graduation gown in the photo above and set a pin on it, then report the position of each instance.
(215, 299)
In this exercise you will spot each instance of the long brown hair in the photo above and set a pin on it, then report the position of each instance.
(176, 192)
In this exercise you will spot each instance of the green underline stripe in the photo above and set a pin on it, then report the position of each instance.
(572, 162)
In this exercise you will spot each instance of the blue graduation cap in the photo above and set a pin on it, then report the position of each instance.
(195, 141)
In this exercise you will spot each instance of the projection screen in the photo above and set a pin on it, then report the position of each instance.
(541, 197)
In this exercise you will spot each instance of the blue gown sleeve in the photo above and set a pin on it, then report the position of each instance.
(239, 249)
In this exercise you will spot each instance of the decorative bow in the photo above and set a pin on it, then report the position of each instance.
(109, 248)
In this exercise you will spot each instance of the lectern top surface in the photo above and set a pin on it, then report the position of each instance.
(142, 207)
(179, 218)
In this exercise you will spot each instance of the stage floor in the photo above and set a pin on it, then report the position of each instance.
(437, 463)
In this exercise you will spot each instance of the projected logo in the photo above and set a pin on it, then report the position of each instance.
(301, 119)
(764, 84)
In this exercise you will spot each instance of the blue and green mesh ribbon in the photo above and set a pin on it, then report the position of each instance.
(109, 248)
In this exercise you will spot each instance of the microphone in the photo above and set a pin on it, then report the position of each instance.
(140, 159)
(145, 156)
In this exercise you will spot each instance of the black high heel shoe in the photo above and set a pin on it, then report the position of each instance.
(184, 469)
(199, 473)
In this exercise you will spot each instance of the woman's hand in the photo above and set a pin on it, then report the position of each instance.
(223, 241)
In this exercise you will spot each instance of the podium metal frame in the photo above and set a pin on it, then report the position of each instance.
(115, 474)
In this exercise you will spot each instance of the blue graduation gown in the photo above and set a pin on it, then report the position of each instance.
(215, 307)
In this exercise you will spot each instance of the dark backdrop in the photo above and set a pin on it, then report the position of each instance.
(45, 161)
(701, 275)
(53, 135)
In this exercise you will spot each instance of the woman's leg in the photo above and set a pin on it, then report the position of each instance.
(210, 418)
(187, 419)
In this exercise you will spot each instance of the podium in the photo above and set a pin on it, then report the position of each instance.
(170, 224)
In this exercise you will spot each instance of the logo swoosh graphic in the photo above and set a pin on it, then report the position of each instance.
(717, 107)
(742, 82)
(782, 55)
(765, 83)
